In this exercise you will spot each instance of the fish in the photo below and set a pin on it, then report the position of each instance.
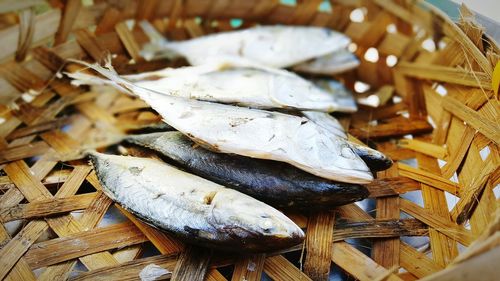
(330, 64)
(275, 46)
(192, 208)
(253, 133)
(327, 122)
(252, 87)
(343, 96)
(275, 183)
(374, 159)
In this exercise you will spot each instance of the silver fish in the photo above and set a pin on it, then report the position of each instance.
(196, 210)
(331, 64)
(253, 87)
(275, 46)
(343, 96)
(254, 133)
(327, 122)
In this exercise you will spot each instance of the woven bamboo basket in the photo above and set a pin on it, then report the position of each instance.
(433, 82)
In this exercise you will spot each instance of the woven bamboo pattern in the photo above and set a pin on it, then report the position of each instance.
(437, 109)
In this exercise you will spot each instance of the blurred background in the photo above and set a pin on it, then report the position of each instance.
(487, 12)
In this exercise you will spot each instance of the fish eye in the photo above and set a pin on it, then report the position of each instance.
(346, 152)
(266, 225)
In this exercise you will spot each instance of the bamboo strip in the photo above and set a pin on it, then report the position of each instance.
(11, 198)
(64, 225)
(20, 175)
(318, 242)
(428, 178)
(71, 10)
(441, 224)
(127, 38)
(9, 126)
(280, 269)
(305, 12)
(74, 181)
(93, 214)
(444, 74)
(83, 243)
(108, 21)
(48, 58)
(469, 170)
(416, 262)
(249, 268)
(458, 154)
(484, 266)
(45, 26)
(60, 141)
(192, 264)
(96, 113)
(214, 275)
(38, 128)
(380, 228)
(391, 150)
(489, 239)
(357, 264)
(433, 150)
(129, 270)
(391, 186)
(386, 251)
(93, 261)
(91, 45)
(15, 248)
(354, 212)
(146, 9)
(396, 128)
(24, 151)
(471, 193)
(128, 253)
(487, 127)
(21, 271)
(381, 112)
(46, 207)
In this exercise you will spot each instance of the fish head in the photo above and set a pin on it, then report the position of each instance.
(255, 225)
(344, 165)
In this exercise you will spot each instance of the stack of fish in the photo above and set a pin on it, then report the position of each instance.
(249, 153)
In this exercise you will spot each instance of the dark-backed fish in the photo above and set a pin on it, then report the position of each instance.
(275, 183)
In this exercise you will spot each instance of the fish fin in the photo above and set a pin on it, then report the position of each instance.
(80, 78)
(115, 79)
(157, 47)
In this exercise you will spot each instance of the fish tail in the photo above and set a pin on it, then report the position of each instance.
(114, 79)
(80, 78)
(158, 45)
